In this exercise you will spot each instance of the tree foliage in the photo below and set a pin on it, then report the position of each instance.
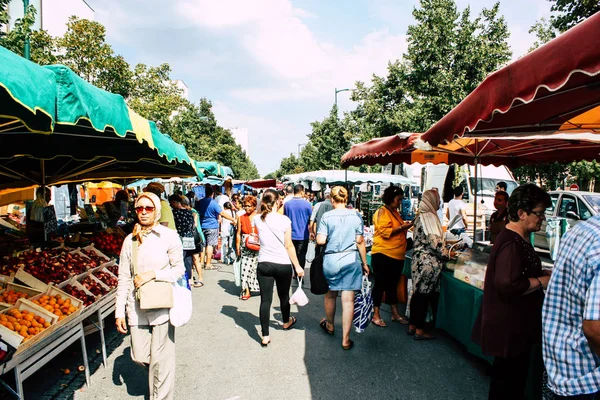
(571, 12)
(83, 48)
(42, 45)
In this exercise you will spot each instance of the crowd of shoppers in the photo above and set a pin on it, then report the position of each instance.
(516, 313)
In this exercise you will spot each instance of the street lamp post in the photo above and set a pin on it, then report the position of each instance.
(339, 90)
(26, 47)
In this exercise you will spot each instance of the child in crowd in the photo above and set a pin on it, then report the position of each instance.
(227, 235)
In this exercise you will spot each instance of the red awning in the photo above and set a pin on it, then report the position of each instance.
(262, 183)
(391, 149)
(554, 88)
(509, 151)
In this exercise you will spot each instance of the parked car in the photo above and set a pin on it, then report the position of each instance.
(572, 206)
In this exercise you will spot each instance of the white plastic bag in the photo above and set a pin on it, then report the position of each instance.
(310, 252)
(237, 271)
(299, 297)
(181, 312)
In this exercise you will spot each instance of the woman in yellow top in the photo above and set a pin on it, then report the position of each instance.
(389, 248)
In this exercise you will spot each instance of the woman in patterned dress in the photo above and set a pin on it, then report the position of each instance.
(249, 258)
(427, 265)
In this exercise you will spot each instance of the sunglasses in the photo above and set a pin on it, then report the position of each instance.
(141, 209)
(539, 214)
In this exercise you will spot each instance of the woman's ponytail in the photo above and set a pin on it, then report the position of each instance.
(269, 198)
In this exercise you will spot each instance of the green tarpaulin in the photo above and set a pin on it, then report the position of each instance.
(55, 128)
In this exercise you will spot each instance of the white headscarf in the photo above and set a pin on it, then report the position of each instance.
(430, 202)
(139, 230)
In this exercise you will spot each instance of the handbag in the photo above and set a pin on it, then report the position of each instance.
(152, 294)
(299, 297)
(188, 243)
(363, 306)
(237, 271)
(181, 312)
(318, 283)
(252, 241)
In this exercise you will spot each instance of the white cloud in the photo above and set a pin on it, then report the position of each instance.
(302, 66)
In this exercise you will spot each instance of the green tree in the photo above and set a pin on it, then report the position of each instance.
(155, 96)
(289, 165)
(327, 143)
(449, 54)
(544, 32)
(42, 45)
(4, 17)
(572, 12)
(83, 48)
(270, 175)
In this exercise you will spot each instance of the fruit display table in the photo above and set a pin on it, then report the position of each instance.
(28, 361)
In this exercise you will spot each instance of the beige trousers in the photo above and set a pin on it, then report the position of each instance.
(154, 347)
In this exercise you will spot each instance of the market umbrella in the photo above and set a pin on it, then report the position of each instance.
(57, 128)
(213, 168)
(553, 90)
(341, 176)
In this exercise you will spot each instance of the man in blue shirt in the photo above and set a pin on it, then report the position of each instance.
(571, 315)
(209, 212)
(298, 209)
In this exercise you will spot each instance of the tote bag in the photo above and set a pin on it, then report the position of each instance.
(363, 306)
(181, 312)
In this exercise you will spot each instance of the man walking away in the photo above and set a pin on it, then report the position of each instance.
(299, 210)
(209, 212)
(571, 315)
(457, 213)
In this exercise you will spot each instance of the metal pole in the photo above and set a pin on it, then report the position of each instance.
(26, 47)
(475, 205)
(43, 165)
(336, 92)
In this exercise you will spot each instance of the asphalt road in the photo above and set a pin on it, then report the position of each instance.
(219, 357)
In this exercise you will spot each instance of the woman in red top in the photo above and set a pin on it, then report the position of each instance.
(249, 258)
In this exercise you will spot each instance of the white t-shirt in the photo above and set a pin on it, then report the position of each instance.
(272, 238)
(221, 200)
(226, 224)
(454, 207)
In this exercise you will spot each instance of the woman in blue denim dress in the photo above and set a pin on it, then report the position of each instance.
(341, 231)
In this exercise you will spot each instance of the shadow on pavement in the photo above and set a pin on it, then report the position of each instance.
(243, 319)
(229, 287)
(130, 374)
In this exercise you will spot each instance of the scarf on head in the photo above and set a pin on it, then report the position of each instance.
(139, 230)
(430, 203)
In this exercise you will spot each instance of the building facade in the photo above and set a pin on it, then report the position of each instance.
(52, 15)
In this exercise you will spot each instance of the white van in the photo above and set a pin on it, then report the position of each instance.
(446, 177)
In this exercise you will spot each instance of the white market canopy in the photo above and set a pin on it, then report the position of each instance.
(341, 176)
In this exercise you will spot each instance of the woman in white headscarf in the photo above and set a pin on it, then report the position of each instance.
(427, 264)
(160, 258)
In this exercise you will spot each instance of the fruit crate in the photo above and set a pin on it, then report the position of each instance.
(53, 291)
(6, 279)
(93, 248)
(30, 280)
(82, 277)
(17, 288)
(75, 283)
(14, 339)
(103, 268)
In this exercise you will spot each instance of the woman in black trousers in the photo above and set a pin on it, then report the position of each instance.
(276, 252)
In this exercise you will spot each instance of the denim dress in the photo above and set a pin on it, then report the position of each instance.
(342, 265)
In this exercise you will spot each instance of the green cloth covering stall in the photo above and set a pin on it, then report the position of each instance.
(57, 128)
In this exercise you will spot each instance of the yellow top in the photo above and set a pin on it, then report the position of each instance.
(394, 246)
(166, 214)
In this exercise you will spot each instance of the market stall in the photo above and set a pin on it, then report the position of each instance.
(56, 128)
(541, 108)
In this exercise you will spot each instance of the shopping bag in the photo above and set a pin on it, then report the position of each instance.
(310, 252)
(299, 297)
(237, 271)
(181, 312)
(318, 283)
(363, 306)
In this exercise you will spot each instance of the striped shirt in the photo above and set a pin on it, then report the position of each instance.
(573, 296)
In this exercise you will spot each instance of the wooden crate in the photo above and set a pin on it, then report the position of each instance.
(53, 291)
(81, 277)
(18, 288)
(6, 279)
(30, 280)
(74, 282)
(93, 248)
(14, 339)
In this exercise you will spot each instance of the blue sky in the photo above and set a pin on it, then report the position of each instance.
(271, 66)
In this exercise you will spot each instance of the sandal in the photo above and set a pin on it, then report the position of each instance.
(379, 322)
(424, 337)
(348, 346)
(245, 297)
(198, 284)
(400, 320)
(294, 320)
(323, 325)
